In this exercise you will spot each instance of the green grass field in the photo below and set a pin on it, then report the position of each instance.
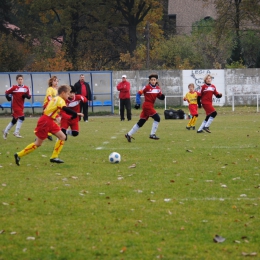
(185, 189)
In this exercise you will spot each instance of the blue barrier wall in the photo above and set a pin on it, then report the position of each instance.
(100, 83)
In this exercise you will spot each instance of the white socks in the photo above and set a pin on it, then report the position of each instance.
(133, 130)
(210, 120)
(202, 125)
(9, 126)
(154, 127)
(18, 126)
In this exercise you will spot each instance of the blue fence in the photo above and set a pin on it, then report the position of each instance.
(100, 84)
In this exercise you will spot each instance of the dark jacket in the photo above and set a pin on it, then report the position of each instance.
(78, 90)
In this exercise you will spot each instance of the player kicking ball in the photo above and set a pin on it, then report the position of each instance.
(46, 124)
(151, 92)
(206, 93)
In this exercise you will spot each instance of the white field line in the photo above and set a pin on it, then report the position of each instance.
(216, 199)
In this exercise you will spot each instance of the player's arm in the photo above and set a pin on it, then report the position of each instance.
(71, 112)
(138, 99)
(217, 94)
(83, 99)
(8, 93)
(27, 95)
(161, 96)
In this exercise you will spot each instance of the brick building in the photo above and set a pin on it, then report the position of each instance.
(183, 13)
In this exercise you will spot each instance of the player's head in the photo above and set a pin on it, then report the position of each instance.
(72, 91)
(19, 79)
(123, 77)
(191, 87)
(53, 81)
(64, 91)
(153, 79)
(208, 79)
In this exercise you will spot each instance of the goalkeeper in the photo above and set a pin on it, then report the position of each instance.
(205, 99)
(151, 92)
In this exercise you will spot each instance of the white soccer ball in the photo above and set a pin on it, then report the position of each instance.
(114, 157)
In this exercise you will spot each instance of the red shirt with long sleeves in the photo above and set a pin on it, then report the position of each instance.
(124, 88)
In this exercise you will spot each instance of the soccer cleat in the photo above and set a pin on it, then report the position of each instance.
(17, 159)
(17, 135)
(86, 121)
(50, 137)
(200, 131)
(188, 127)
(128, 137)
(154, 137)
(193, 127)
(5, 134)
(56, 160)
(206, 129)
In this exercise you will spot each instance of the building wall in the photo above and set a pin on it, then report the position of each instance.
(189, 11)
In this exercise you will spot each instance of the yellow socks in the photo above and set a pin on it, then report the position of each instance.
(57, 149)
(194, 120)
(28, 149)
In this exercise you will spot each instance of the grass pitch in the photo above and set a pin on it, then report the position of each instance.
(177, 195)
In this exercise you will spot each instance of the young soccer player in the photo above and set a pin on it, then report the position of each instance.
(73, 102)
(151, 92)
(46, 124)
(51, 92)
(205, 99)
(191, 97)
(19, 92)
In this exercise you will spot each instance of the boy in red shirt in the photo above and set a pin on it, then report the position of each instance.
(151, 92)
(19, 92)
(206, 93)
(124, 96)
(73, 102)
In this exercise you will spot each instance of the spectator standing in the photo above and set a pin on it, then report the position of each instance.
(83, 89)
(124, 96)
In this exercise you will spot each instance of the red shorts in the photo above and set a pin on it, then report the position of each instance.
(148, 110)
(44, 126)
(72, 123)
(193, 109)
(17, 113)
(208, 108)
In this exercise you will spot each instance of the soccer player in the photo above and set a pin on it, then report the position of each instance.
(51, 92)
(151, 92)
(73, 102)
(46, 124)
(191, 97)
(205, 99)
(18, 92)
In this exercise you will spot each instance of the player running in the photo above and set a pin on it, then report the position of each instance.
(151, 92)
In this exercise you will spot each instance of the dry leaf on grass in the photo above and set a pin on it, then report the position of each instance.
(2, 231)
(132, 166)
(30, 238)
(249, 254)
(218, 239)
(5, 203)
(189, 151)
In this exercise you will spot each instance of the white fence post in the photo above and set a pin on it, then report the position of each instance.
(233, 103)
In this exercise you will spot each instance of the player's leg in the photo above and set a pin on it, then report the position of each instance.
(194, 120)
(122, 109)
(28, 149)
(200, 130)
(58, 147)
(128, 109)
(8, 128)
(18, 126)
(135, 128)
(155, 125)
(85, 111)
(210, 120)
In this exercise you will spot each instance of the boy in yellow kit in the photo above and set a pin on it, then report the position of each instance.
(192, 98)
(47, 125)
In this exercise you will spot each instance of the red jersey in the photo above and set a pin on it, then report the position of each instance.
(73, 104)
(206, 93)
(124, 88)
(150, 93)
(17, 93)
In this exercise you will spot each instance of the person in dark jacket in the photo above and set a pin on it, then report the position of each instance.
(83, 88)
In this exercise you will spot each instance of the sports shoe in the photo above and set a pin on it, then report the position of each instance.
(154, 137)
(17, 135)
(200, 131)
(50, 137)
(206, 129)
(128, 137)
(4, 134)
(56, 160)
(193, 127)
(17, 159)
(86, 121)
(188, 127)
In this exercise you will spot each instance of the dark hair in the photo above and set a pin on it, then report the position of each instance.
(72, 89)
(153, 76)
(19, 76)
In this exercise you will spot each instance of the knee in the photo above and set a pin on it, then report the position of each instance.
(156, 118)
(21, 119)
(14, 120)
(141, 122)
(75, 133)
(214, 114)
